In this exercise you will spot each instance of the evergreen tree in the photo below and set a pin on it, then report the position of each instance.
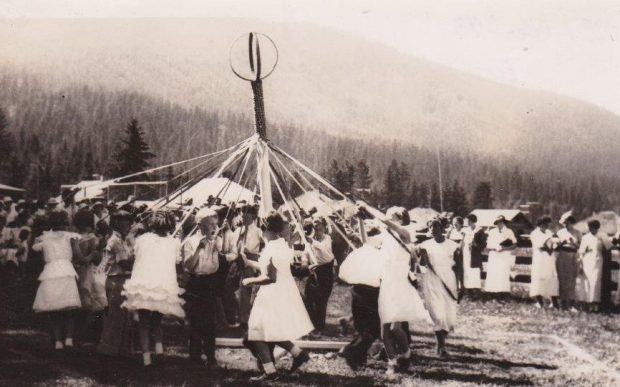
(413, 199)
(435, 200)
(393, 185)
(134, 153)
(363, 179)
(333, 174)
(456, 199)
(483, 197)
(7, 145)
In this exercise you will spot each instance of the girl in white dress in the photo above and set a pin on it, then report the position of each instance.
(278, 315)
(58, 291)
(399, 302)
(152, 290)
(439, 284)
(544, 281)
(500, 241)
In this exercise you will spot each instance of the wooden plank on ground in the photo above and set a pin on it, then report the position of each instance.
(306, 344)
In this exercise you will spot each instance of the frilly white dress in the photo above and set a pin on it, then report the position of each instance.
(58, 289)
(399, 301)
(441, 306)
(153, 284)
(278, 313)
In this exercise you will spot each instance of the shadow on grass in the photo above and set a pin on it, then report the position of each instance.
(26, 359)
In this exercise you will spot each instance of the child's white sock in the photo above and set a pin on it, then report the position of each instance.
(69, 342)
(269, 368)
(58, 344)
(295, 351)
(146, 357)
(159, 348)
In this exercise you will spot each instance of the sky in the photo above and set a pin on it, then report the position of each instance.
(570, 47)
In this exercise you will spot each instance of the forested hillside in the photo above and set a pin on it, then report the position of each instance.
(64, 134)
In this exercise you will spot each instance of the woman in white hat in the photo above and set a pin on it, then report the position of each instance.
(500, 242)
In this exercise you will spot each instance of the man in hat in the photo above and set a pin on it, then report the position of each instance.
(202, 260)
(501, 240)
(10, 209)
(250, 243)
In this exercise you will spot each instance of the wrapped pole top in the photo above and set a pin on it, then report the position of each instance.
(253, 57)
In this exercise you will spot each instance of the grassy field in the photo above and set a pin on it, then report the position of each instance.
(495, 344)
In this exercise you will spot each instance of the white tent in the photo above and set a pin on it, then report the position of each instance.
(4, 187)
(200, 192)
(421, 215)
(89, 189)
(323, 204)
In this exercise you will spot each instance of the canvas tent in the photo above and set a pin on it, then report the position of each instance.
(212, 186)
(89, 189)
(517, 220)
(11, 191)
(421, 215)
(324, 205)
(610, 222)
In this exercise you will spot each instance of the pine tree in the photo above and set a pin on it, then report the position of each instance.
(435, 199)
(333, 174)
(7, 145)
(483, 197)
(363, 179)
(393, 185)
(456, 199)
(134, 153)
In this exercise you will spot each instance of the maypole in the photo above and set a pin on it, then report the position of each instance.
(251, 64)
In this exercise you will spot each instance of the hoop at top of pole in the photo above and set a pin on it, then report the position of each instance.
(253, 62)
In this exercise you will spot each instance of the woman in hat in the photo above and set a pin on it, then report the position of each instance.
(500, 242)
(544, 283)
(438, 254)
(567, 264)
(278, 315)
(474, 241)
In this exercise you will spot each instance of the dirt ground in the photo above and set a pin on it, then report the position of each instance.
(510, 344)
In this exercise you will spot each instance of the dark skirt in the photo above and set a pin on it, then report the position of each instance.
(567, 268)
(116, 337)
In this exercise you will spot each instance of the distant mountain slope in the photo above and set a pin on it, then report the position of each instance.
(325, 80)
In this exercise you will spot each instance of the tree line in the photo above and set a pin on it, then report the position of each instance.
(54, 136)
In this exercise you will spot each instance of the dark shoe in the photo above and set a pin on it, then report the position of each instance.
(402, 364)
(212, 364)
(265, 377)
(300, 360)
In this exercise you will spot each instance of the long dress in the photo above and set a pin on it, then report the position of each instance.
(471, 274)
(153, 284)
(58, 289)
(399, 301)
(92, 298)
(439, 285)
(500, 263)
(591, 252)
(544, 275)
(278, 313)
(567, 265)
